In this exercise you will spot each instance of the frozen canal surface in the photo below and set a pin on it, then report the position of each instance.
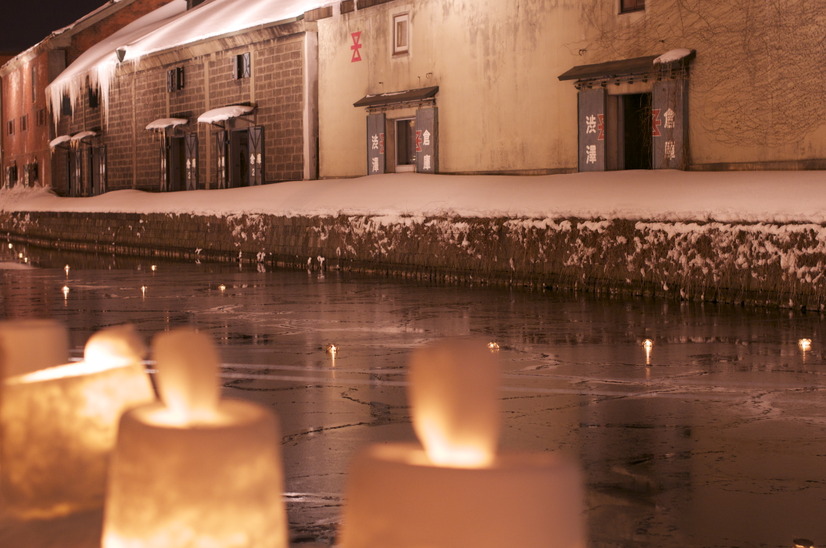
(720, 441)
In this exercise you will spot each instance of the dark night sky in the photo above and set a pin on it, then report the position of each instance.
(23, 23)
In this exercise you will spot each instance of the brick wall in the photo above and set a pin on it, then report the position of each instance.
(757, 264)
(139, 95)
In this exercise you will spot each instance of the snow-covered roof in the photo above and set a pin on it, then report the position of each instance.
(163, 123)
(215, 18)
(222, 114)
(673, 55)
(59, 140)
(98, 63)
(169, 26)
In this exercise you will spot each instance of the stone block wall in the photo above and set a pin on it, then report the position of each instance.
(755, 264)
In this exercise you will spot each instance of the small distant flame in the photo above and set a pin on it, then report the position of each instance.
(11, 245)
(143, 291)
(20, 255)
(65, 291)
(805, 344)
(648, 344)
(66, 269)
(222, 287)
(331, 349)
(153, 268)
(493, 346)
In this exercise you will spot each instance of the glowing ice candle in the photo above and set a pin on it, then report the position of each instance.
(59, 421)
(195, 470)
(458, 491)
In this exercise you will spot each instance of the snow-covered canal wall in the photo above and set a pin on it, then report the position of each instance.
(775, 264)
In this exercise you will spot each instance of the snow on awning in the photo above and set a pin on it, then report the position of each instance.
(59, 141)
(77, 137)
(163, 123)
(410, 95)
(673, 55)
(625, 68)
(223, 114)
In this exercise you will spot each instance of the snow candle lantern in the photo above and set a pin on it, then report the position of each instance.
(458, 490)
(59, 419)
(195, 470)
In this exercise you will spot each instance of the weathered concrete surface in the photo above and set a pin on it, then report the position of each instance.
(759, 264)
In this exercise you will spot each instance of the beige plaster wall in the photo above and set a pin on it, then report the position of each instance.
(756, 97)
(501, 106)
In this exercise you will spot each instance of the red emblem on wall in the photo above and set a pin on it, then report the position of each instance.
(357, 45)
(601, 127)
(655, 122)
(419, 140)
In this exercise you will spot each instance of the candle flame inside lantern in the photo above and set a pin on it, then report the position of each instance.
(454, 394)
(187, 376)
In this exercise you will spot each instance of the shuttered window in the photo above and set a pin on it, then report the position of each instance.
(631, 5)
(242, 66)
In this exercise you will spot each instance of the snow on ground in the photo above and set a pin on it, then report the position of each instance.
(768, 197)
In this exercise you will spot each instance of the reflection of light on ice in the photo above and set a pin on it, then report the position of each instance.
(648, 344)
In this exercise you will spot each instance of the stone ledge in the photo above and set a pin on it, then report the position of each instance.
(756, 264)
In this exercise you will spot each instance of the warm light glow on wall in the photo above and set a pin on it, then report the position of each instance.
(59, 425)
(195, 470)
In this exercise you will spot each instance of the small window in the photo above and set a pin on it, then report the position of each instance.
(34, 84)
(41, 117)
(66, 106)
(175, 79)
(401, 33)
(242, 67)
(94, 97)
(627, 6)
(10, 127)
(24, 122)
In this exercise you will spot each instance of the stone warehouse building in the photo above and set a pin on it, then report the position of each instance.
(229, 93)
(216, 95)
(551, 86)
(26, 132)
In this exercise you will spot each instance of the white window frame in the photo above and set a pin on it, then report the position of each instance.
(401, 20)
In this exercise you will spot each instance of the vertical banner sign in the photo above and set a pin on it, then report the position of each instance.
(256, 146)
(164, 163)
(101, 169)
(591, 129)
(669, 109)
(357, 45)
(221, 158)
(375, 143)
(427, 144)
(191, 155)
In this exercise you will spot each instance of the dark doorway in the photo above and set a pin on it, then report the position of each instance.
(175, 162)
(239, 151)
(636, 130)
